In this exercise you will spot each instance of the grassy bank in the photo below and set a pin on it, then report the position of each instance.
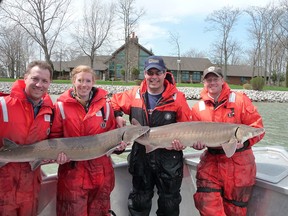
(132, 83)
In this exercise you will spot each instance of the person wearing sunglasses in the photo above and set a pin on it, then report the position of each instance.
(155, 103)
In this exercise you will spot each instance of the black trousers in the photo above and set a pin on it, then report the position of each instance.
(163, 169)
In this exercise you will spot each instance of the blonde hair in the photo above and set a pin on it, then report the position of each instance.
(82, 68)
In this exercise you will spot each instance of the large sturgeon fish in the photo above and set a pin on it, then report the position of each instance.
(213, 134)
(76, 148)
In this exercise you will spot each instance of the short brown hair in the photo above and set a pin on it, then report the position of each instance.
(82, 68)
(40, 64)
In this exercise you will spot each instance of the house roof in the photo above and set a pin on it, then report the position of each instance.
(99, 64)
(187, 63)
(244, 70)
(123, 47)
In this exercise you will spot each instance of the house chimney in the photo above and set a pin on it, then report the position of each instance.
(133, 39)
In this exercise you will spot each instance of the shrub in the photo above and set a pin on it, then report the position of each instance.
(138, 82)
(247, 86)
(257, 83)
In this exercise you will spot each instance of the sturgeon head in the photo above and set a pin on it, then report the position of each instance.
(245, 132)
(242, 133)
(133, 132)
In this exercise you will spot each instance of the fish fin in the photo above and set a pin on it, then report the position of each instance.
(149, 148)
(110, 151)
(2, 164)
(9, 144)
(135, 122)
(230, 147)
(35, 164)
(143, 140)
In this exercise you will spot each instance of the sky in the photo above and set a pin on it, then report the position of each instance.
(186, 18)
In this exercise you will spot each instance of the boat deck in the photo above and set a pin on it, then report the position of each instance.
(270, 194)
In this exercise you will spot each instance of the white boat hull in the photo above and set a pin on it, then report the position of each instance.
(270, 194)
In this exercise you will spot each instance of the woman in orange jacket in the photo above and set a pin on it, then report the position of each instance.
(84, 187)
(224, 185)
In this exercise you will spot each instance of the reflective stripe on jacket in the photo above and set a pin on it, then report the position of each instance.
(171, 108)
(18, 183)
(234, 107)
(71, 120)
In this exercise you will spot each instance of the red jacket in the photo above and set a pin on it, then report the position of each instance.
(131, 102)
(20, 126)
(235, 107)
(79, 123)
(17, 123)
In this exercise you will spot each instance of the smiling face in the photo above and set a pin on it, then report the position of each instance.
(213, 84)
(155, 80)
(37, 83)
(83, 83)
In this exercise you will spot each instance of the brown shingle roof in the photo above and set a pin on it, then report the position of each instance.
(187, 63)
(243, 71)
(99, 64)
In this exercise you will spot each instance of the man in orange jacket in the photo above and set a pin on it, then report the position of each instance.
(156, 102)
(224, 185)
(25, 118)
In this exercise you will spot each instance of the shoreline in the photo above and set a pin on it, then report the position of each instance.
(191, 93)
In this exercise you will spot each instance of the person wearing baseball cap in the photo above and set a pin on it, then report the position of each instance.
(154, 62)
(224, 185)
(155, 103)
(214, 70)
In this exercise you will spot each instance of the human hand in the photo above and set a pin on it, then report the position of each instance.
(198, 145)
(122, 146)
(62, 158)
(121, 122)
(239, 145)
(177, 145)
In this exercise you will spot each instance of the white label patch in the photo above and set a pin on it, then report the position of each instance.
(47, 118)
(99, 113)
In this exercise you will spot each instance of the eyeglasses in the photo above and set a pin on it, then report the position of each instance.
(151, 73)
(214, 79)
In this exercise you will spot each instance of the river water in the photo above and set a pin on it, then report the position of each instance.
(275, 119)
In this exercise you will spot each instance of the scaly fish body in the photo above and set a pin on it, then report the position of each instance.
(76, 148)
(212, 134)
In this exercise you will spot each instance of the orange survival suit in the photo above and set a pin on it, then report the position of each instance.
(224, 185)
(90, 182)
(163, 168)
(19, 186)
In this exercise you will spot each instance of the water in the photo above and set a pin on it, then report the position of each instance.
(275, 119)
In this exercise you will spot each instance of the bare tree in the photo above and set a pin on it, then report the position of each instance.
(175, 41)
(43, 20)
(256, 30)
(14, 50)
(266, 33)
(283, 22)
(130, 17)
(223, 21)
(195, 53)
(94, 29)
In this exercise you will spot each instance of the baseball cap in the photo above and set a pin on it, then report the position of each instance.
(154, 62)
(215, 70)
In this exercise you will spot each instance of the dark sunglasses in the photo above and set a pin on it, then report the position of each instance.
(151, 73)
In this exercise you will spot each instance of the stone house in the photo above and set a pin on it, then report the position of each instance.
(184, 69)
